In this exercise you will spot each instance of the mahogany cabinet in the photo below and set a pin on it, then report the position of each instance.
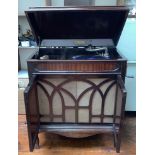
(77, 76)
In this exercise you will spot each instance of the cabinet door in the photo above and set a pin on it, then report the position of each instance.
(120, 100)
(130, 83)
(32, 112)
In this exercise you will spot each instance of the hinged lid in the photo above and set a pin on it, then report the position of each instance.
(77, 24)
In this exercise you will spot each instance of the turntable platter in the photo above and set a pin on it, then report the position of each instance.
(89, 57)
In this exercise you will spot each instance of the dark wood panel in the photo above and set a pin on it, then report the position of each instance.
(32, 112)
(77, 66)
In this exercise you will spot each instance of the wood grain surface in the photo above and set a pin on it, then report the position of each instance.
(96, 145)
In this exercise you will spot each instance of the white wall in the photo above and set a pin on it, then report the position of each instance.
(127, 41)
(57, 2)
(77, 2)
(105, 2)
(25, 4)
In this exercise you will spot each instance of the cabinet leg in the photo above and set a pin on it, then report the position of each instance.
(37, 143)
(118, 144)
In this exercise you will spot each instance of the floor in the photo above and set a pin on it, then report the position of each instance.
(95, 145)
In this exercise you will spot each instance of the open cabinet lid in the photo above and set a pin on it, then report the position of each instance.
(71, 23)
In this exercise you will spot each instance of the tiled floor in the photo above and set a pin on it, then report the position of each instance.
(95, 145)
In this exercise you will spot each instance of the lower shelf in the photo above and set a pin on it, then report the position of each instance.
(78, 130)
(77, 127)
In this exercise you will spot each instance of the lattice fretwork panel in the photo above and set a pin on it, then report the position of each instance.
(76, 100)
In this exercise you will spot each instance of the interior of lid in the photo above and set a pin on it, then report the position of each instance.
(77, 24)
(76, 42)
